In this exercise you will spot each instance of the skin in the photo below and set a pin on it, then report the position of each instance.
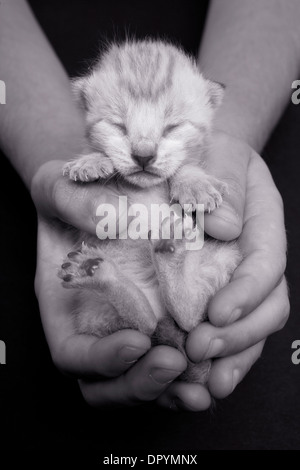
(39, 138)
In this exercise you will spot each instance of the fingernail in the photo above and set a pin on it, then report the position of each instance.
(215, 347)
(164, 376)
(227, 213)
(235, 315)
(181, 405)
(130, 354)
(235, 379)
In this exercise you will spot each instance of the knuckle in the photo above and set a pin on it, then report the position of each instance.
(137, 395)
(249, 338)
(285, 313)
(139, 390)
(39, 182)
(88, 394)
(220, 381)
(58, 360)
(281, 262)
(46, 186)
(272, 267)
(60, 198)
(127, 390)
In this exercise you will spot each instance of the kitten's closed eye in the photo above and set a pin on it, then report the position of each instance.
(171, 127)
(121, 127)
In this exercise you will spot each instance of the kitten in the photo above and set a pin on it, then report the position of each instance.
(148, 114)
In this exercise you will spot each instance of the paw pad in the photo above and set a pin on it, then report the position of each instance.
(90, 265)
(73, 254)
(164, 246)
(65, 265)
(78, 266)
(67, 277)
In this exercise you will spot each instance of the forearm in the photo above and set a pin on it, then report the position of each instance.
(39, 121)
(253, 47)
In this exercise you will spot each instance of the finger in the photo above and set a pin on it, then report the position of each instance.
(145, 381)
(263, 244)
(228, 160)
(227, 373)
(83, 355)
(207, 341)
(86, 355)
(77, 354)
(74, 203)
(185, 396)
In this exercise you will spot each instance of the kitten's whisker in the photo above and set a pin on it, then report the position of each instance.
(109, 178)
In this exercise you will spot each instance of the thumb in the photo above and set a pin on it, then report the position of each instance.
(74, 203)
(228, 160)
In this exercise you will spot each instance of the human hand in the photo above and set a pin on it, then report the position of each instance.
(255, 303)
(106, 367)
(257, 286)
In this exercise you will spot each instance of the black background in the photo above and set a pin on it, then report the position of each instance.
(42, 409)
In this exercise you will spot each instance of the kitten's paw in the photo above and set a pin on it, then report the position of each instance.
(85, 266)
(164, 246)
(169, 235)
(208, 191)
(89, 168)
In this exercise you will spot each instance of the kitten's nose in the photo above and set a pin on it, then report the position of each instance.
(143, 162)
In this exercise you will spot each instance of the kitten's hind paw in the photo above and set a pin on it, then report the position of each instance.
(166, 239)
(81, 266)
(89, 167)
(75, 272)
(164, 246)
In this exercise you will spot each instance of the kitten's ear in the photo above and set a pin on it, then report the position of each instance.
(216, 93)
(79, 89)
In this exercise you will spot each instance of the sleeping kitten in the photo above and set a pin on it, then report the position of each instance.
(148, 113)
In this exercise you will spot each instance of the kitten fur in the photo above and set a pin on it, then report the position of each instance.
(148, 113)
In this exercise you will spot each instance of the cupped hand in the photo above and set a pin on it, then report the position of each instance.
(242, 315)
(255, 303)
(120, 369)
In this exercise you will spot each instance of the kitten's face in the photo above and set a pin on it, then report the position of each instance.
(148, 120)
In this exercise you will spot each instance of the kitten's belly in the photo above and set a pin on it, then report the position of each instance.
(150, 199)
(133, 257)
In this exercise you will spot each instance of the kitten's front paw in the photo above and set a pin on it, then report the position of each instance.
(89, 168)
(208, 191)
